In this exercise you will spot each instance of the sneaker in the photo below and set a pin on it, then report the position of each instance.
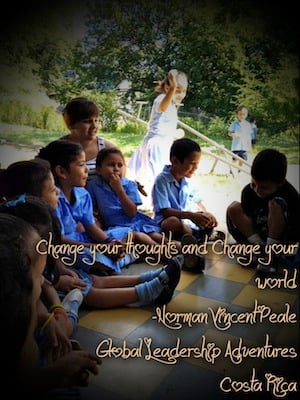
(199, 267)
(192, 262)
(173, 270)
(73, 295)
(266, 269)
(247, 261)
(216, 235)
(75, 344)
(270, 266)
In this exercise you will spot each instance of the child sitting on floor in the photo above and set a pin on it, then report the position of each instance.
(75, 209)
(173, 200)
(116, 199)
(268, 213)
(20, 288)
(113, 291)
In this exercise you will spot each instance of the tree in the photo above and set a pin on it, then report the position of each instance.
(232, 51)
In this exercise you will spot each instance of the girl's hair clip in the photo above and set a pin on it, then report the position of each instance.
(12, 203)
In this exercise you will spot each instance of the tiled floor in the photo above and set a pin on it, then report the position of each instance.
(224, 285)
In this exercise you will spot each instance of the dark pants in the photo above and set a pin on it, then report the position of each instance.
(235, 233)
(240, 153)
(289, 261)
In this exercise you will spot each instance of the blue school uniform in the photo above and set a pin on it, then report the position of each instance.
(109, 206)
(243, 129)
(169, 193)
(81, 210)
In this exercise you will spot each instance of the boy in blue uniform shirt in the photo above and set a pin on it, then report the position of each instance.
(176, 207)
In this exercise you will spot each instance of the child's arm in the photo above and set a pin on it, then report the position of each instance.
(96, 234)
(57, 327)
(201, 206)
(233, 135)
(72, 369)
(211, 219)
(128, 206)
(164, 104)
(202, 219)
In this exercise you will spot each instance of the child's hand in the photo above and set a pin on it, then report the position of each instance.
(67, 283)
(204, 220)
(74, 368)
(172, 77)
(115, 182)
(57, 342)
(120, 250)
(212, 220)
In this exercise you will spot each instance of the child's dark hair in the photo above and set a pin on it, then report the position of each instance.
(24, 177)
(104, 153)
(60, 152)
(16, 286)
(182, 148)
(269, 165)
(78, 109)
(40, 215)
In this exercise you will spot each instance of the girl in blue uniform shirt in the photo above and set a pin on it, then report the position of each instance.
(75, 211)
(117, 199)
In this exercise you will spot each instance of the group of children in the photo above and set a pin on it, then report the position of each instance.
(49, 203)
(32, 196)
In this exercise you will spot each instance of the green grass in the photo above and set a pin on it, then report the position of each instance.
(128, 142)
(22, 135)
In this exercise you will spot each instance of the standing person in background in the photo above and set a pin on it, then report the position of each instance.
(81, 116)
(240, 132)
(253, 131)
(153, 153)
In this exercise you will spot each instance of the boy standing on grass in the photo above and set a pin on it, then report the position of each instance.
(177, 208)
(240, 132)
(268, 213)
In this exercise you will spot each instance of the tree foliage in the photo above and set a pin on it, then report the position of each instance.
(233, 52)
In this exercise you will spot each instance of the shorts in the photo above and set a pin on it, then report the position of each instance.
(240, 153)
(260, 221)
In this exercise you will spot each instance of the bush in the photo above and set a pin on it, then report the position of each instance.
(18, 112)
(107, 103)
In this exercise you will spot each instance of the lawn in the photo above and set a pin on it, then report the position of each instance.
(219, 188)
(128, 142)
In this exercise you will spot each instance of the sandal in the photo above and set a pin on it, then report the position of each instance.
(141, 189)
